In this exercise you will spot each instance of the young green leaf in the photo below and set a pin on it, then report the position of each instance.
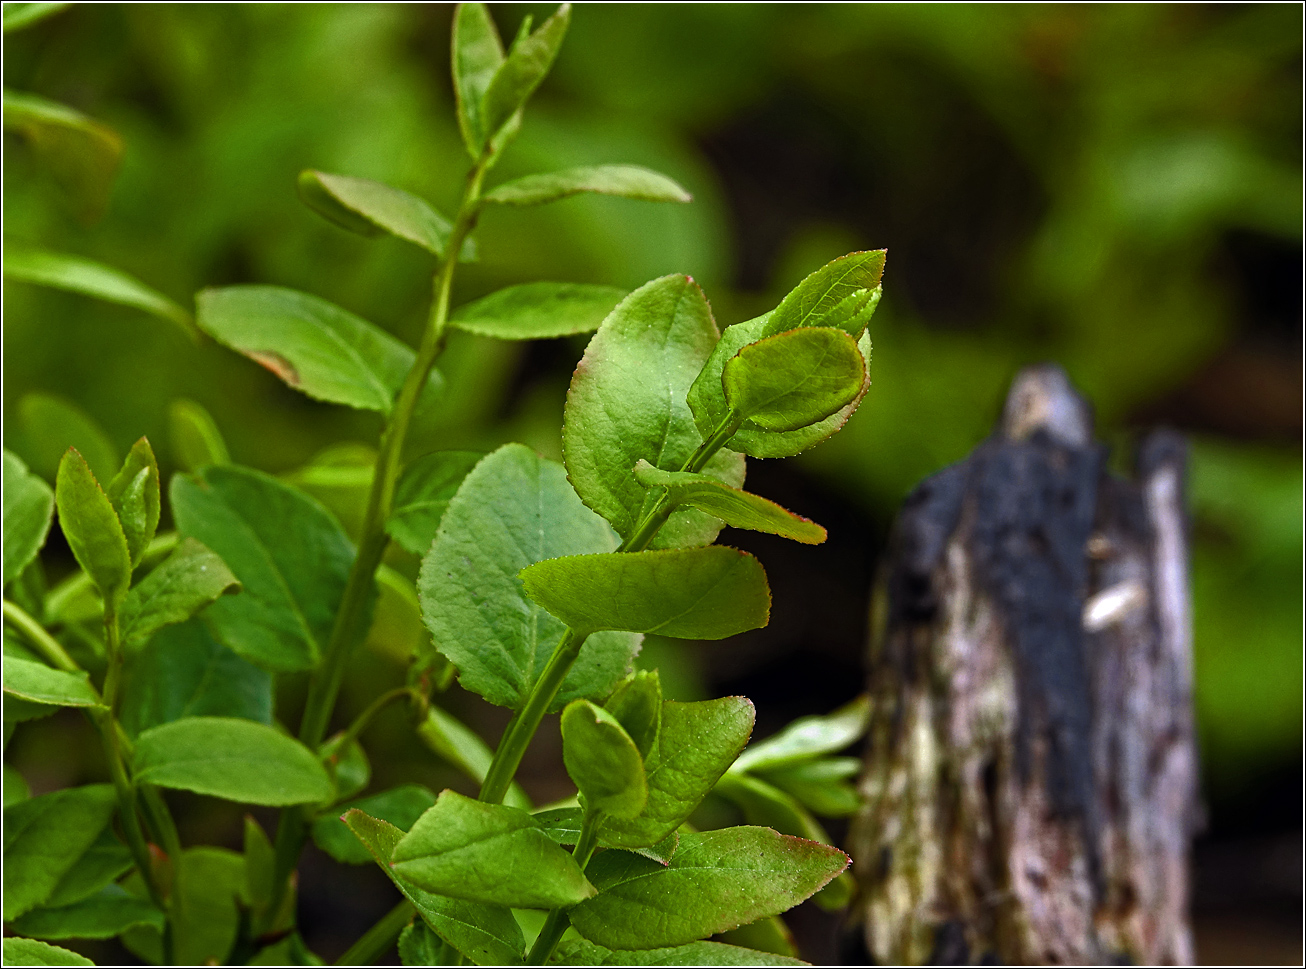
(627, 402)
(314, 346)
(521, 72)
(488, 853)
(733, 506)
(369, 208)
(101, 863)
(58, 270)
(91, 526)
(422, 495)
(20, 15)
(185, 672)
(627, 181)
(237, 760)
(188, 580)
(418, 945)
(50, 425)
(603, 761)
(28, 507)
(486, 934)
(717, 880)
(81, 154)
(808, 738)
(463, 748)
(38, 683)
(696, 743)
(477, 56)
(825, 291)
(514, 509)
(538, 311)
(637, 705)
(44, 837)
(194, 436)
(134, 493)
(290, 556)
(687, 593)
(401, 806)
(103, 915)
(29, 952)
(581, 952)
(793, 379)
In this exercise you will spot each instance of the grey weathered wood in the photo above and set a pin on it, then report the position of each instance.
(1030, 769)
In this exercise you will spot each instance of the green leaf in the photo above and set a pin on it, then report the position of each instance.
(107, 913)
(696, 743)
(237, 760)
(563, 825)
(808, 738)
(537, 311)
(194, 436)
(290, 951)
(41, 684)
(44, 837)
(339, 476)
(422, 495)
(627, 402)
(768, 935)
(185, 672)
(514, 509)
(187, 581)
(28, 507)
(50, 425)
(91, 526)
(637, 705)
(29, 952)
(477, 55)
(397, 630)
(58, 270)
(718, 880)
(627, 181)
(462, 747)
(350, 770)
(707, 399)
(603, 761)
(15, 785)
(488, 853)
(401, 806)
(205, 919)
(765, 805)
(290, 556)
(20, 15)
(314, 346)
(794, 379)
(825, 292)
(821, 785)
(580, 952)
(100, 864)
(687, 593)
(134, 494)
(418, 945)
(521, 72)
(733, 506)
(486, 934)
(260, 866)
(81, 154)
(369, 208)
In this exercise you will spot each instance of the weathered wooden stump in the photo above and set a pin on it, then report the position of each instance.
(1030, 770)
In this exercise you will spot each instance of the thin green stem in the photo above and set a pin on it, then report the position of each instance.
(515, 740)
(362, 721)
(379, 937)
(36, 634)
(558, 919)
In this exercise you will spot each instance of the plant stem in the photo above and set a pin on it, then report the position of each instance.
(363, 719)
(522, 727)
(352, 618)
(35, 634)
(379, 937)
(558, 920)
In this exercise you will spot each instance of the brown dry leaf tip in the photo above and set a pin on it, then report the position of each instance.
(278, 364)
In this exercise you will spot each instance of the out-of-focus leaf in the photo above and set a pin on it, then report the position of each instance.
(237, 760)
(339, 476)
(28, 507)
(462, 747)
(581, 952)
(637, 705)
(688, 593)
(29, 952)
(793, 379)
(397, 630)
(514, 509)
(44, 837)
(349, 769)
(314, 346)
(15, 785)
(18, 16)
(521, 72)
(205, 918)
(765, 935)
(38, 683)
(627, 181)
(91, 526)
(101, 863)
(50, 425)
(822, 785)
(733, 506)
(627, 403)
(30, 264)
(194, 436)
(603, 761)
(422, 495)
(809, 737)
(537, 311)
(109, 912)
(187, 581)
(80, 153)
(400, 806)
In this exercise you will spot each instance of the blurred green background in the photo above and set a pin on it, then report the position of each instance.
(1114, 187)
